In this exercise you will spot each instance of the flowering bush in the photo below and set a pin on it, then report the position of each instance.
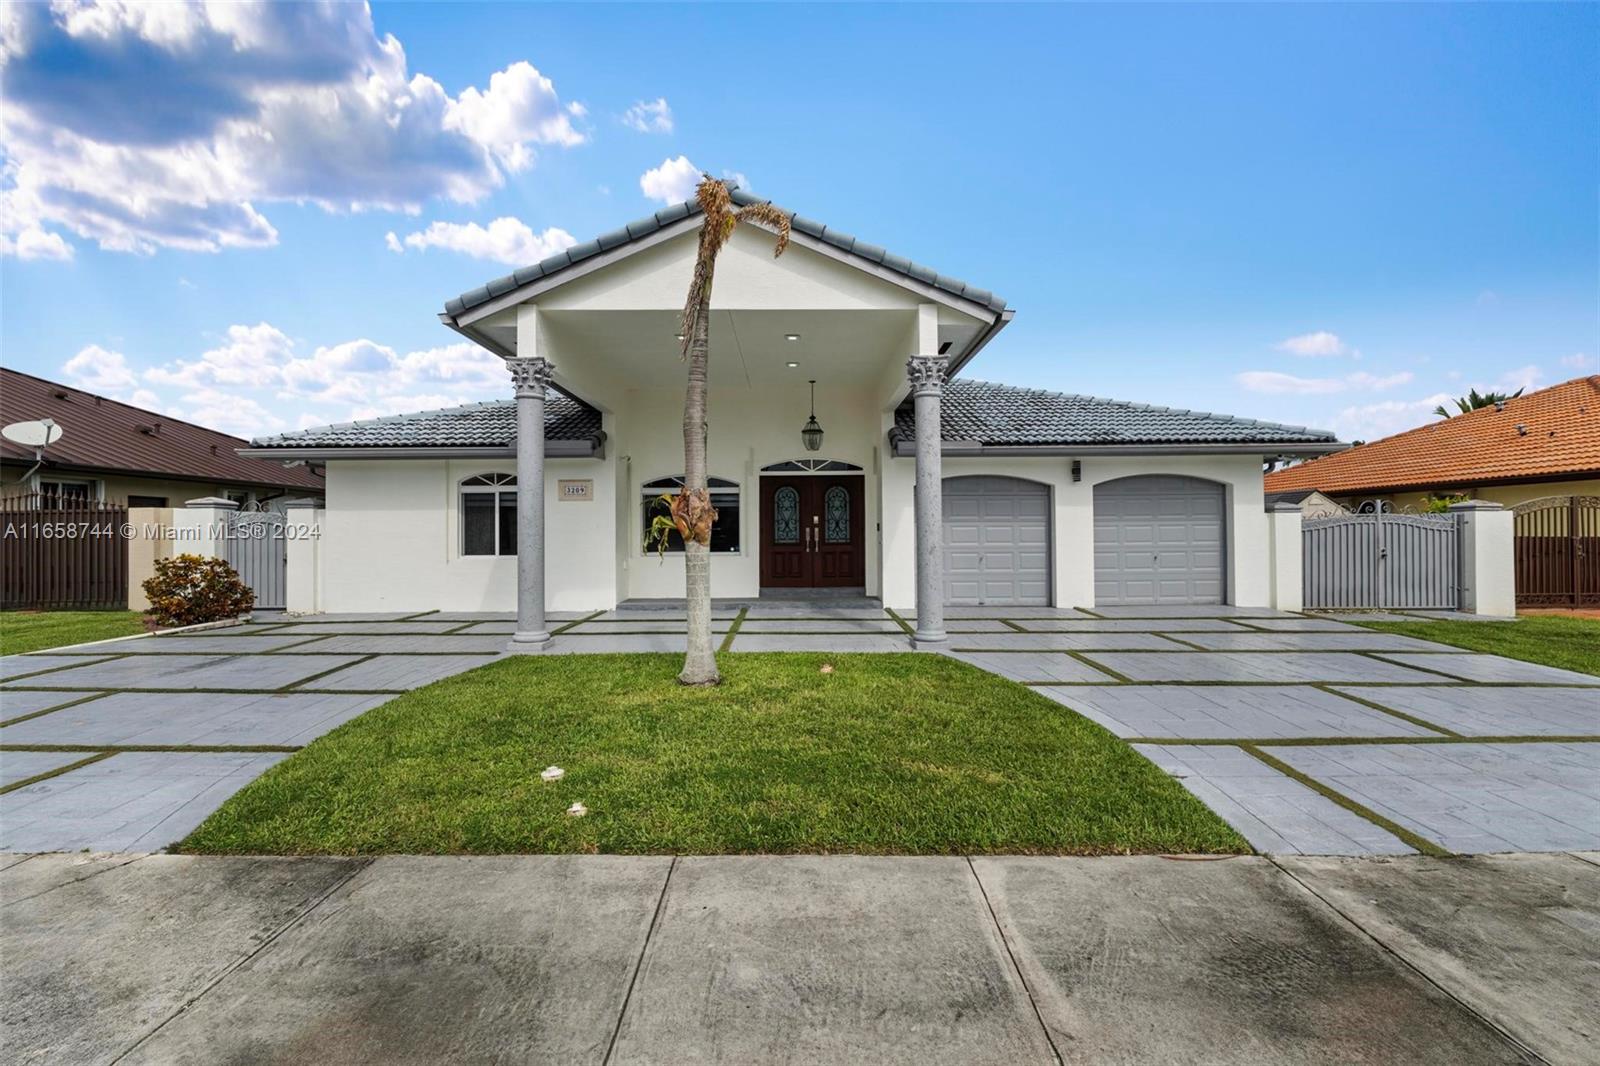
(189, 589)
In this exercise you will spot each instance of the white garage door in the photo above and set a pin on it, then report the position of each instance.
(1158, 540)
(996, 541)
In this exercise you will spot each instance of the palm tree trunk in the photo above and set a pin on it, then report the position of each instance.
(700, 664)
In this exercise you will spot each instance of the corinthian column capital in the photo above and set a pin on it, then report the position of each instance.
(926, 374)
(530, 376)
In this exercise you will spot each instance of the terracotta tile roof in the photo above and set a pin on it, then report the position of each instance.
(1552, 433)
(102, 434)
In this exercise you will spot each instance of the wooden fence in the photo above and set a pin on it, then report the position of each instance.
(62, 553)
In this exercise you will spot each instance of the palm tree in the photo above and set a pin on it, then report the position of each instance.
(1472, 401)
(692, 513)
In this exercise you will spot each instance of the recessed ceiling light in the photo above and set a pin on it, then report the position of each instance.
(791, 336)
(791, 364)
(677, 336)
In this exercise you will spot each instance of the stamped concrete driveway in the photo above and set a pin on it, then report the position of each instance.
(1309, 735)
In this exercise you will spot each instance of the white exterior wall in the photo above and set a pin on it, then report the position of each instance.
(392, 539)
(1249, 555)
(744, 436)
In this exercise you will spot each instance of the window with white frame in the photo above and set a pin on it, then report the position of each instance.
(56, 494)
(489, 514)
(724, 497)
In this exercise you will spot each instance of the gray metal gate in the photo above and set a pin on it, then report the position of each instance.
(1381, 561)
(257, 547)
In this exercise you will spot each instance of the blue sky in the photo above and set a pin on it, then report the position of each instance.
(1322, 215)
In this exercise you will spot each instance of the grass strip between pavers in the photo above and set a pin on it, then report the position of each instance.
(57, 772)
(52, 710)
(733, 630)
(64, 666)
(1406, 836)
(573, 624)
(1390, 711)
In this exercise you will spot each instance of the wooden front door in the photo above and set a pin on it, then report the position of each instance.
(813, 532)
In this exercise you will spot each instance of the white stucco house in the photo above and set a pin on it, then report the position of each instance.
(1029, 497)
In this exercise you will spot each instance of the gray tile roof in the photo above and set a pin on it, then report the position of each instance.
(667, 216)
(1006, 415)
(478, 425)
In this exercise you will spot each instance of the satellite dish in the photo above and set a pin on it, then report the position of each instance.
(40, 434)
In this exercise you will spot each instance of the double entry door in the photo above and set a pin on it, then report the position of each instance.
(812, 532)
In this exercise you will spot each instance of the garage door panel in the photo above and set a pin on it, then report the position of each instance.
(997, 541)
(1159, 540)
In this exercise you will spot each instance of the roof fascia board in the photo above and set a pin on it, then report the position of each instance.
(51, 466)
(553, 449)
(1425, 486)
(964, 449)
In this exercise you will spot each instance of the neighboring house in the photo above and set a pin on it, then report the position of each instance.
(1545, 443)
(116, 453)
(1046, 498)
(1312, 503)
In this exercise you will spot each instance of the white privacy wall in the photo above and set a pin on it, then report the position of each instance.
(392, 539)
(1249, 575)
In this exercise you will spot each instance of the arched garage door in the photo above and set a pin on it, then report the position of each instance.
(1158, 540)
(996, 541)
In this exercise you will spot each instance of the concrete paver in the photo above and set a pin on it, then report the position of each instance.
(190, 671)
(1046, 667)
(1494, 668)
(20, 765)
(132, 801)
(192, 718)
(1063, 642)
(198, 644)
(430, 960)
(409, 645)
(1193, 611)
(1294, 625)
(1206, 712)
(762, 959)
(1128, 625)
(1257, 667)
(12, 666)
(96, 958)
(1143, 960)
(1271, 810)
(17, 704)
(1359, 640)
(1470, 798)
(394, 673)
(1514, 936)
(865, 642)
(311, 628)
(881, 624)
(1507, 712)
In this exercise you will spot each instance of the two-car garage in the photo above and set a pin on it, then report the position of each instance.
(1157, 540)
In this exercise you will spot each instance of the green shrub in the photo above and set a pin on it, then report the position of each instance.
(189, 589)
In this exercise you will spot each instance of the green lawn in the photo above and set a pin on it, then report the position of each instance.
(1555, 640)
(899, 754)
(22, 631)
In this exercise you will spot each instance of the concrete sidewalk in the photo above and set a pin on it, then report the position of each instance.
(802, 959)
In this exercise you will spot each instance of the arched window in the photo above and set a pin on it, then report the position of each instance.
(489, 514)
(724, 497)
(809, 466)
(836, 515)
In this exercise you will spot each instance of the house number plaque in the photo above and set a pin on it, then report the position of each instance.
(576, 490)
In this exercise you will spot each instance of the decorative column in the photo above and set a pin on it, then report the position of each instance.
(531, 377)
(926, 373)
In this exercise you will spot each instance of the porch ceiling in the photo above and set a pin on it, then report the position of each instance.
(639, 349)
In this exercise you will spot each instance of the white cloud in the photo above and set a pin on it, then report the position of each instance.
(98, 370)
(506, 240)
(649, 116)
(1371, 421)
(672, 182)
(1320, 343)
(169, 125)
(737, 179)
(1577, 361)
(1272, 381)
(258, 380)
(1523, 377)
